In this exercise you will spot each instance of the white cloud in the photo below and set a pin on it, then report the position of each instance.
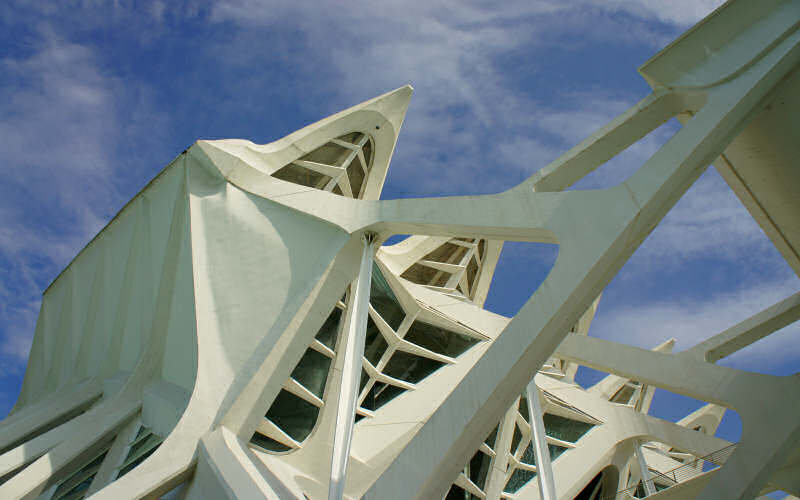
(706, 266)
(60, 124)
(709, 219)
(678, 12)
(466, 104)
(574, 124)
(57, 126)
(61, 116)
(692, 320)
(16, 343)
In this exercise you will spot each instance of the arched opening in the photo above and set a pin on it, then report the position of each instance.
(603, 484)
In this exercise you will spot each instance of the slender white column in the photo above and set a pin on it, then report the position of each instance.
(647, 481)
(351, 372)
(544, 469)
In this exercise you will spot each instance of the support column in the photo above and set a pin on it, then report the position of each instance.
(351, 371)
(647, 481)
(544, 469)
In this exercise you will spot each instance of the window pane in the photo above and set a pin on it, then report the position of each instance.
(267, 443)
(521, 477)
(380, 394)
(77, 483)
(299, 175)
(293, 415)
(410, 368)
(479, 469)
(356, 175)
(523, 409)
(328, 154)
(312, 371)
(623, 395)
(515, 439)
(457, 493)
(491, 438)
(329, 330)
(374, 345)
(564, 429)
(518, 479)
(382, 298)
(367, 149)
(439, 340)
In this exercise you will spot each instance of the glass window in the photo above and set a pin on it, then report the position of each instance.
(518, 479)
(472, 272)
(332, 154)
(367, 150)
(374, 345)
(383, 300)
(491, 438)
(77, 483)
(328, 154)
(523, 409)
(424, 275)
(564, 429)
(144, 444)
(312, 372)
(479, 468)
(529, 457)
(439, 340)
(363, 381)
(380, 394)
(623, 395)
(448, 252)
(329, 331)
(303, 176)
(410, 368)
(521, 477)
(515, 439)
(458, 493)
(268, 443)
(295, 416)
(355, 173)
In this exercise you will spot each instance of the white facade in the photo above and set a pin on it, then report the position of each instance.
(238, 331)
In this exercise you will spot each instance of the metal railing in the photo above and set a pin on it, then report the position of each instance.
(687, 471)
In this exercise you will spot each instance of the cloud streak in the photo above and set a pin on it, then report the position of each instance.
(691, 321)
(500, 92)
(470, 109)
(60, 127)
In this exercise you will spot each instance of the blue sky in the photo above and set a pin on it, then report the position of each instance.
(96, 97)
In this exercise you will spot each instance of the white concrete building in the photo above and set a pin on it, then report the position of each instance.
(239, 331)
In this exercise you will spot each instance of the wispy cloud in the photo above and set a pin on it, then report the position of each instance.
(500, 93)
(710, 219)
(679, 12)
(61, 125)
(470, 107)
(691, 320)
(705, 267)
(59, 122)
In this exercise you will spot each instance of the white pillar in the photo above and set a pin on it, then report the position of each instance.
(647, 481)
(544, 469)
(351, 371)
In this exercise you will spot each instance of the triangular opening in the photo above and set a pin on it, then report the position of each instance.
(623, 165)
(705, 268)
(522, 267)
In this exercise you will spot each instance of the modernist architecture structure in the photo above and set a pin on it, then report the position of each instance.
(238, 330)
